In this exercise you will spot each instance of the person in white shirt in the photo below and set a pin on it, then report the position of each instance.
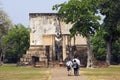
(69, 67)
(76, 72)
(77, 60)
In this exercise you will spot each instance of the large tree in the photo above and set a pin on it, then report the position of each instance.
(82, 14)
(5, 25)
(17, 42)
(111, 10)
(99, 47)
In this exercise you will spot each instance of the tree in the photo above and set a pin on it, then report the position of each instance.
(5, 25)
(82, 14)
(17, 40)
(110, 8)
(98, 45)
(115, 57)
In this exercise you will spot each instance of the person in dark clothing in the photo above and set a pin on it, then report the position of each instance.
(75, 67)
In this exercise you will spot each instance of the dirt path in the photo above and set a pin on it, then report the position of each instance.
(61, 74)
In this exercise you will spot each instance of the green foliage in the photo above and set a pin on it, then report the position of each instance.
(18, 42)
(110, 8)
(98, 44)
(116, 52)
(81, 13)
(99, 47)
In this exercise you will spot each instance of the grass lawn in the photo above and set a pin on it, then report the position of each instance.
(111, 73)
(11, 72)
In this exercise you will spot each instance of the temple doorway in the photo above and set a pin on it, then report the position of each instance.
(35, 59)
(58, 52)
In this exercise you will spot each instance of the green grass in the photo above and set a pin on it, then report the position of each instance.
(111, 73)
(11, 72)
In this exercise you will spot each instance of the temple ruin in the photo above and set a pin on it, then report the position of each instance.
(50, 40)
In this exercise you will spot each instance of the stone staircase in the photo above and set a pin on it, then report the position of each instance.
(33, 53)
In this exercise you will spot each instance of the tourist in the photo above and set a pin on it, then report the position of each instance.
(69, 67)
(76, 66)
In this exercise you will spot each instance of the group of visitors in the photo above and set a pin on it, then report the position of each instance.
(73, 64)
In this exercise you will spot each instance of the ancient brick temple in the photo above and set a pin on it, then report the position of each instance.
(50, 39)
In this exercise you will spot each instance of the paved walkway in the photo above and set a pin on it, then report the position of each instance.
(61, 74)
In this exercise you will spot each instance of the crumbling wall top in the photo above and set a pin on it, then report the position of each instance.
(41, 14)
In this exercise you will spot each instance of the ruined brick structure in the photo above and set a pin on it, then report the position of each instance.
(50, 39)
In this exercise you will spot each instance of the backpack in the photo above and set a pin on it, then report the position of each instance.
(75, 65)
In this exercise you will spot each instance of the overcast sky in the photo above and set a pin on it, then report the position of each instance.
(18, 10)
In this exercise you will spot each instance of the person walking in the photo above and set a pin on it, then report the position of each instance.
(78, 62)
(69, 67)
(76, 66)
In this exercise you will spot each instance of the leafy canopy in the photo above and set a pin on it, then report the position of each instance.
(18, 37)
(81, 13)
(110, 8)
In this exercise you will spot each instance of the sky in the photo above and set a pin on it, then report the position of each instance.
(18, 10)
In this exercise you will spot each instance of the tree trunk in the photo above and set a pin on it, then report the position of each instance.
(0, 59)
(108, 56)
(90, 57)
